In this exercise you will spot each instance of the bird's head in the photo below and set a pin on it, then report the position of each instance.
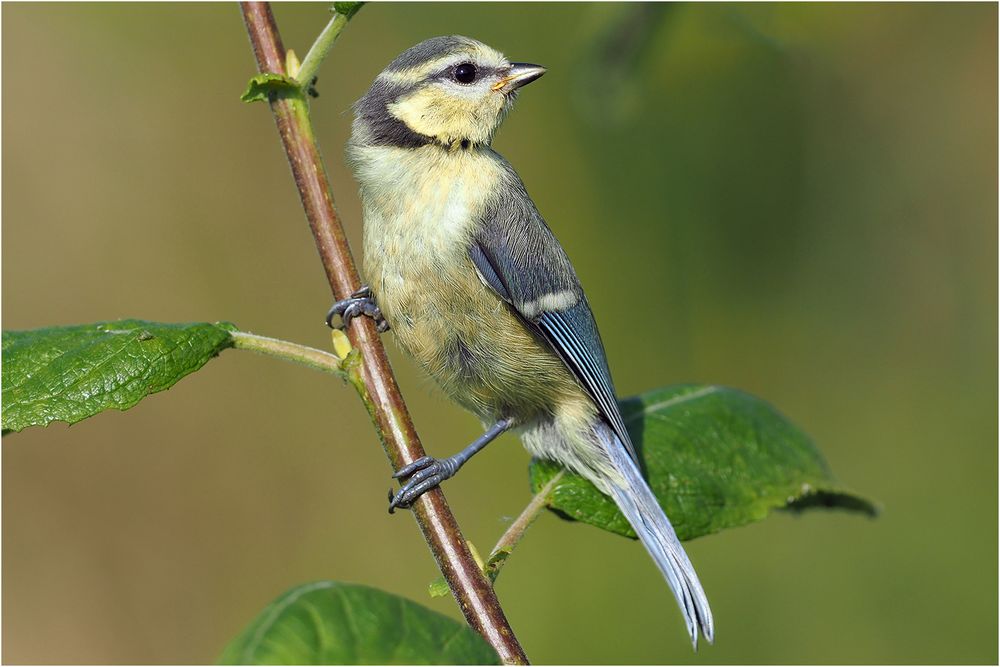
(452, 91)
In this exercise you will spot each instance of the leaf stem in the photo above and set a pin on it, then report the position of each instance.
(370, 372)
(510, 538)
(283, 349)
(319, 49)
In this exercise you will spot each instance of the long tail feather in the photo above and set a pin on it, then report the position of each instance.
(647, 518)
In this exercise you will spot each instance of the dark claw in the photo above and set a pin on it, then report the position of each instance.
(392, 494)
(359, 303)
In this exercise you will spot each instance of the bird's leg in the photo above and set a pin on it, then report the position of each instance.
(360, 303)
(427, 472)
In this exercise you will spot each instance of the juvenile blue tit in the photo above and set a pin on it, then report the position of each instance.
(476, 288)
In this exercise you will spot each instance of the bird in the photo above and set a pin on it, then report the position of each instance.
(465, 272)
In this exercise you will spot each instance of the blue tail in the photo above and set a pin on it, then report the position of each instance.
(640, 507)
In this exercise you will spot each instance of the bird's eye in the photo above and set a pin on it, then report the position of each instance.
(465, 73)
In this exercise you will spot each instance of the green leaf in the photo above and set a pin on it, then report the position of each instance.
(332, 623)
(71, 373)
(261, 87)
(715, 458)
(348, 9)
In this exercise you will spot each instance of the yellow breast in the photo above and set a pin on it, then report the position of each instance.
(420, 208)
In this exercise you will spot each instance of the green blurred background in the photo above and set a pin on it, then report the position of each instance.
(797, 200)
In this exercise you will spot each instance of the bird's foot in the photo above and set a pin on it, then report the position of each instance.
(360, 303)
(421, 476)
(427, 472)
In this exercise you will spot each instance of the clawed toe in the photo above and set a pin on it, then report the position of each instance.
(411, 468)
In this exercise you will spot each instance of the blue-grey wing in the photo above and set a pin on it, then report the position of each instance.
(573, 334)
(520, 259)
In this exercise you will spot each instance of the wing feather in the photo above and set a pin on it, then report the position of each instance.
(589, 369)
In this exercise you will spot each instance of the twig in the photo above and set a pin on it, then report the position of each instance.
(510, 538)
(319, 49)
(376, 383)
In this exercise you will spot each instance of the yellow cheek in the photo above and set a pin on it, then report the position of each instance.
(433, 112)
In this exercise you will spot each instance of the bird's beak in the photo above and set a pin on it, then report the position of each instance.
(520, 74)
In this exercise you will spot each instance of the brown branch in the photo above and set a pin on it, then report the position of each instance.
(375, 381)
